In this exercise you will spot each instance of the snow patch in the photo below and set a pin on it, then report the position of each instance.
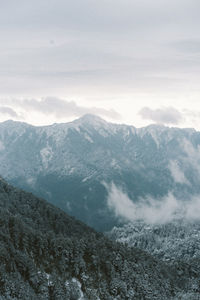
(114, 164)
(77, 282)
(79, 286)
(46, 155)
(31, 180)
(88, 138)
(50, 283)
(72, 170)
(86, 178)
(2, 147)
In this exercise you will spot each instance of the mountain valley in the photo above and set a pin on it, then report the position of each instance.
(69, 164)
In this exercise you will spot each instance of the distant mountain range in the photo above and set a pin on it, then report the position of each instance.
(73, 164)
(47, 255)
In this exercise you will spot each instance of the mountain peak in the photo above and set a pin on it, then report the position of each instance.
(90, 119)
(11, 123)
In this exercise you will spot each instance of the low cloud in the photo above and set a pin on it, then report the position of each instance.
(177, 173)
(4, 110)
(59, 108)
(192, 155)
(150, 210)
(165, 115)
(187, 162)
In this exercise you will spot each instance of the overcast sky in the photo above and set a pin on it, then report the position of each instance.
(129, 61)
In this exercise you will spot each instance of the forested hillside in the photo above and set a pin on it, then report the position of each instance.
(177, 239)
(45, 254)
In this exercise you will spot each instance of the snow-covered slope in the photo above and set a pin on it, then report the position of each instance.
(176, 240)
(69, 163)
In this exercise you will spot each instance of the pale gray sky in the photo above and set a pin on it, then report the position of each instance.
(130, 61)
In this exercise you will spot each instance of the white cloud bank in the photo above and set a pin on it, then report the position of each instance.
(50, 107)
(9, 112)
(149, 209)
(193, 155)
(177, 173)
(63, 108)
(164, 115)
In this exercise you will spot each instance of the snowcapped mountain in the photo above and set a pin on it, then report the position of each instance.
(70, 163)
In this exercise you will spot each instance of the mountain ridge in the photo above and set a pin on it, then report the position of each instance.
(67, 163)
(91, 118)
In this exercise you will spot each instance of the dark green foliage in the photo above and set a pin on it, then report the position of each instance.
(45, 254)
